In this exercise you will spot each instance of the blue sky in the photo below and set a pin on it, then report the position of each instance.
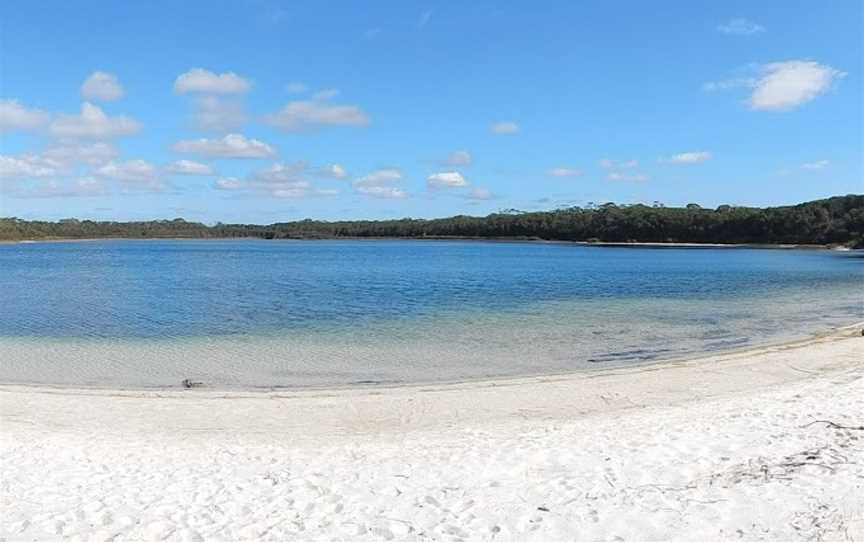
(263, 111)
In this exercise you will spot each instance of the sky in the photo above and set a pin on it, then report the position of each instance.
(262, 111)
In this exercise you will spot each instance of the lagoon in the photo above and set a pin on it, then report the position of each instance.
(251, 313)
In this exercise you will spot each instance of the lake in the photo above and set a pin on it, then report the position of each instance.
(253, 313)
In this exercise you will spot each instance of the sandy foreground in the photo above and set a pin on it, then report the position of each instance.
(728, 447)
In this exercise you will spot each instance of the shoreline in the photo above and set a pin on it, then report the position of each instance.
(736, 446)
(460, 383)
(601, 244)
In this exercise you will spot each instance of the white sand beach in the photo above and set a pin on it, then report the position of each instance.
(729, 447)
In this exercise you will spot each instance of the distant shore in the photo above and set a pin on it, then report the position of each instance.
(621, 244)
(759, 444)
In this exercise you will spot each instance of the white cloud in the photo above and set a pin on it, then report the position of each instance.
(786, 85)
(333, 171)
(458, 158)
(189, 167)
(132, 171)
(230, 146)
(28, 165)
(504, 127)
(132, 174)
(563, 172)
(204, 81)
(279, 180)
(296, 88)
(56, 160)
(623, 170)
(213, 114)
(282, 180)
(101, 86)
(14, 116)
(693, 157)
(624, 164)
(821, 164)
(618, 176)
(386, 192)
(385, 175)
(306, 114)
(79, 187)
(86, 186)
(282, 172)
(741, 27)
(71, 152)
(379, 184)
(444, 180)
(481, 194)
(92, 123)
(228, 183)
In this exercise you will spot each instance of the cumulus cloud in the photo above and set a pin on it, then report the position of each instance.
(623, 164)
(230, 146)
(380, 184)
(228, 183)
(282, 172)
(309, 114)
(57, 188)
(563, 172)
(14, 116)
(133, 173)
(28, 166)
(786, 85)
(741, 27)
(445, 180)
(86, 186)
(504, 127)
(92, 123)
(781, 86)
(333, 171)
(56, 160)
(215, 114)
(207, 82)
(821, 164)
(623, 170)
(458, 158)
(101, 86)
(282, 180)
(70, 152)
(693, 157)
(279, 180)
(189, 167)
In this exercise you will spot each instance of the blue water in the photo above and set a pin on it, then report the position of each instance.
(337, 312)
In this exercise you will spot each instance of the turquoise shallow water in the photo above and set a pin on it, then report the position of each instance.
(273, 313)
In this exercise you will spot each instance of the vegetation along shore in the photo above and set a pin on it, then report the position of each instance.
(833, 221)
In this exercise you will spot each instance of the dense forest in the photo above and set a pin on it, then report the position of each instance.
(833, 221)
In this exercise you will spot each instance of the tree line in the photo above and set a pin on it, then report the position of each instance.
(833, 221)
